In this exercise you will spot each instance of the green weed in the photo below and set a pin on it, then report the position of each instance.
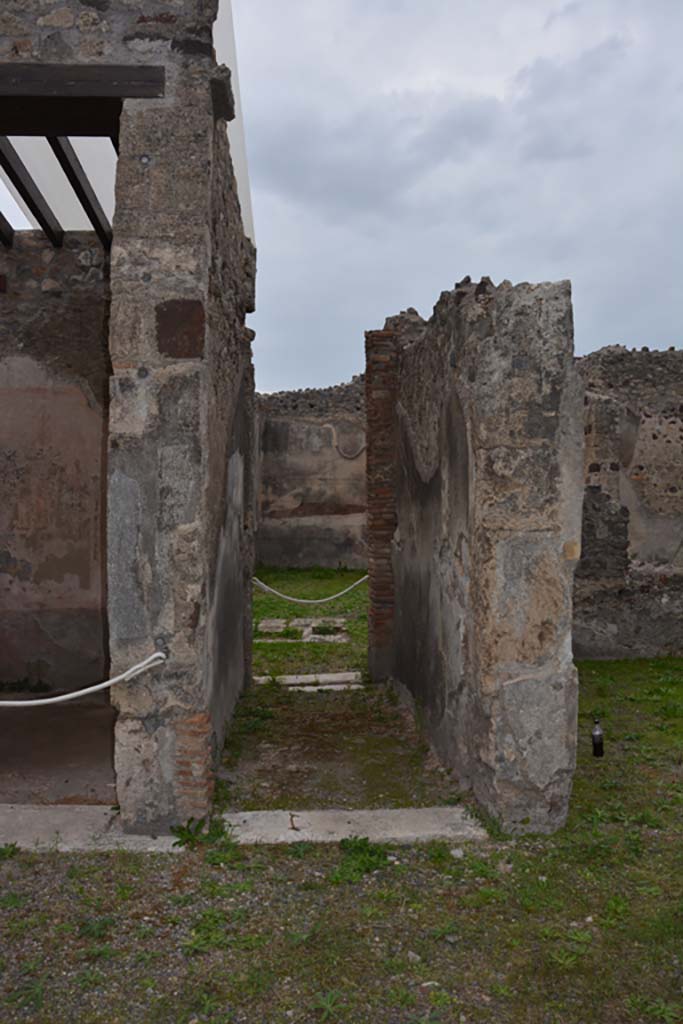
(328, 1005)
(359, 857)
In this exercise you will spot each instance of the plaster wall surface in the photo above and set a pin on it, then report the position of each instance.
(312, 487)
(483, 463)
(182, 279)
(53, 423)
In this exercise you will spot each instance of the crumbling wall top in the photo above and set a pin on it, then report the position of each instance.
(314, 402)
(647, 381)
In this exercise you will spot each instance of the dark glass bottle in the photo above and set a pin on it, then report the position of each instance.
(598, 738)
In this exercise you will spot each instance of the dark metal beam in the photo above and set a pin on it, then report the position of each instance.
(78, 179)
(60, 117)
(17, 173)
(142, 81)
(6, 232)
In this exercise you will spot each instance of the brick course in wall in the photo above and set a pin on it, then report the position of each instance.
(381, 390)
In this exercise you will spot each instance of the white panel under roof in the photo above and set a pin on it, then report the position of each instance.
(99, 163)
(42, 165)
(12, 207)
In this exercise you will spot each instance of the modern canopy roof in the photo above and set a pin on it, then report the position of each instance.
(57, 101)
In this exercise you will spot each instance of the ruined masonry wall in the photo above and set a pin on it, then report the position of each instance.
(634, 500)
(53, 412)
(483, 459)
(311, 477)
(178, 522)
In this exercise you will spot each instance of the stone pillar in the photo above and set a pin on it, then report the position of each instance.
(159, 284)
(381, 381)
(181, 400)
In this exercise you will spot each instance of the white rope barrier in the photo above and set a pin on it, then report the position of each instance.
(307, 600)
(158, 658)
(154, 659)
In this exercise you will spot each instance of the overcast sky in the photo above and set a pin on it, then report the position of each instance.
(395, 146)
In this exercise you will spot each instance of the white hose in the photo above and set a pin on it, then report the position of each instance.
(154, 659)
(307, 600)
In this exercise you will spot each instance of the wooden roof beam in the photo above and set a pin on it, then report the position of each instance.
(89, 81)
(6, 232)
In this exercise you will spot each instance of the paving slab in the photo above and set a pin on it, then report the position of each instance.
(272, 625)
(78, 828)
(395, 825)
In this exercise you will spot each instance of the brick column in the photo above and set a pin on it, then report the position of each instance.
(381, 387)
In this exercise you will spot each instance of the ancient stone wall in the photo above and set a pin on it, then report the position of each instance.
(631, 605)
(54, 366)
(182, 279)
(483, 462)
(312, 490)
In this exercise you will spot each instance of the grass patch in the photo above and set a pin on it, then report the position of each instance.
(273, 659)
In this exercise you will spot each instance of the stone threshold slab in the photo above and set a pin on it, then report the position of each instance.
(73, 828)
(395, 825)
(305, 638)
(329, 679)
(323, 688)
(82, 828)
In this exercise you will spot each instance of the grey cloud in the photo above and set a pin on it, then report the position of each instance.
(381, 174)
(567, 11)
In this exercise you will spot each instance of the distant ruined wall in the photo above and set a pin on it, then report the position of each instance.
(474, 516)
(311, 477)
(632, 605)
(54, 367)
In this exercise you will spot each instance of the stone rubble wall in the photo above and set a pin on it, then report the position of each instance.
(479, 460)
(632, 606)
(311, 477)
(180, 502)
(54, 366)
(641, 378)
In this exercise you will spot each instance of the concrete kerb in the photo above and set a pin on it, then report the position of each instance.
(97, 829)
